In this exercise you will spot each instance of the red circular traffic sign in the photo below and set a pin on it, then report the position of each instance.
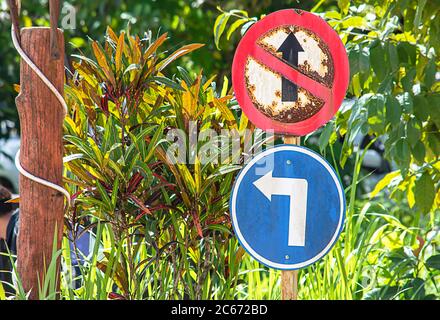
(290, 72)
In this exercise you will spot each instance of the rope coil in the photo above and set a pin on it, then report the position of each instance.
(59, 97)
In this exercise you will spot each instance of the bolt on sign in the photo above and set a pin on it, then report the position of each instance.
(290, 72)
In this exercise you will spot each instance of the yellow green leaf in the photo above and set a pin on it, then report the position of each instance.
(178, 53)
(208, 82)
(234, 27)
(225, 86)
(384, 182)
(354, 22)
(102, 62)
(112, 34)
(69, 122)
(437, 200)
(14, 200)
(243, 123)
(410, 193)
(83, 72)
(119, 51)
(393, 240)
(197, 175)
(2, 292)
(226, 113)
(187, 178)
(97, 152)
(99, 55)
(156, 44)
(424, 192)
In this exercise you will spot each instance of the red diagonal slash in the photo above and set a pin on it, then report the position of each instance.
(317, 89)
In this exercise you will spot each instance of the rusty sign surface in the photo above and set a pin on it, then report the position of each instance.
(290, 72)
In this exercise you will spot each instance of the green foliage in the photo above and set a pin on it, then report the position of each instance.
(163, 229)
(376, 257)
(393, 52)
(242, 21)
(393, 60)
(158, 219)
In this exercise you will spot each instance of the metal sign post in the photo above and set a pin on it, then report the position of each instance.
(289, 278)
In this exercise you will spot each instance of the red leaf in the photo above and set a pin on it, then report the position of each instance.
(140, 204)
(416, 252)
(216, 221)
(227, 271)
(197, 223)
(134, 182)
(104, 104)
(116, 296)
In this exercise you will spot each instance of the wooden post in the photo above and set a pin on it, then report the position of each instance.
(289, 279)
(41, 120)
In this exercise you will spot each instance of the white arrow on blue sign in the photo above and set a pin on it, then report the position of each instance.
(287, 207)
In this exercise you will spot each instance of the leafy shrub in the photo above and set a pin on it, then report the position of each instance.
(162, 228)
(157, 218)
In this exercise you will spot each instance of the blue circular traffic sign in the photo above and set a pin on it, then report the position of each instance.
(287, 207)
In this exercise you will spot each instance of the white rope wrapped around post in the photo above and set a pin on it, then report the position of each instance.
(60, 98)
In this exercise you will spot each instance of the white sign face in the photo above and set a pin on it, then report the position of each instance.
(314, 59)
(274, 95)
(296, 190)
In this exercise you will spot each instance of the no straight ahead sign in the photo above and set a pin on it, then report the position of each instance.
(290, 72)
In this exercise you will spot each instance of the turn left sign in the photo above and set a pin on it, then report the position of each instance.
(287, 207)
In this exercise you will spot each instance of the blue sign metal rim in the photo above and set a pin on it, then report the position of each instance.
(236, 229)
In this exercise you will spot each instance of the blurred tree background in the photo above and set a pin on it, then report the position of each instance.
(391, 238)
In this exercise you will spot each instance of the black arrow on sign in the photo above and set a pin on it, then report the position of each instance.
(290, 49)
